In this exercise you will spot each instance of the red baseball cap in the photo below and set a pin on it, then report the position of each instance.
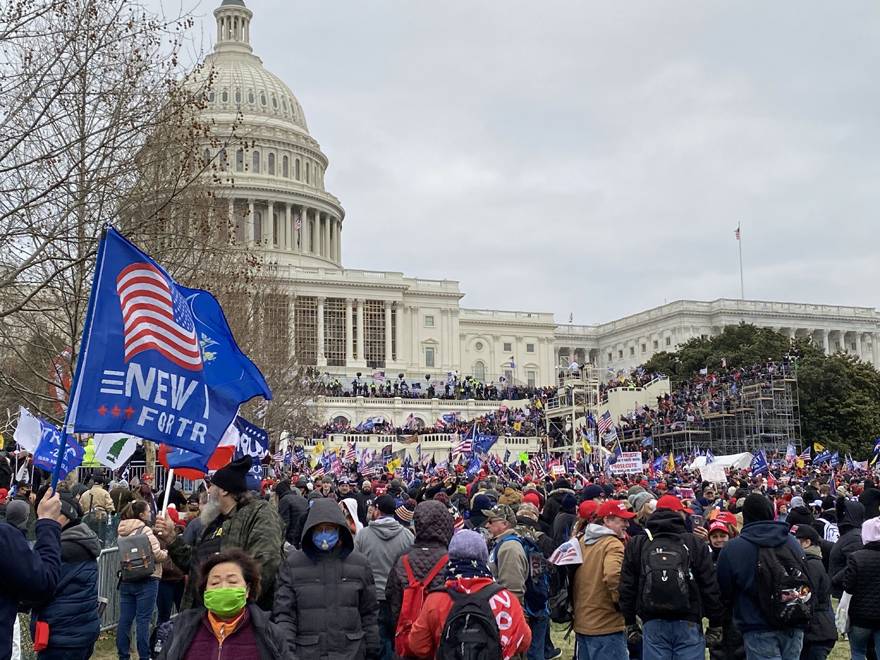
(718, 526)
(726, 517)
(672, 503)
(614, 508)
(587, 509)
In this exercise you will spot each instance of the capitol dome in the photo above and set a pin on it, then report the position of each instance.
(277, 201)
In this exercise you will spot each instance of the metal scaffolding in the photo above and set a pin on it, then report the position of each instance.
(577, 397)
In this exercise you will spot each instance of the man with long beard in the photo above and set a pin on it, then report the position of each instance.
(232, 517)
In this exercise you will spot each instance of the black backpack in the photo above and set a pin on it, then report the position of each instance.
(666, 571)
(470, 631)
(785, 593)
(537, 586)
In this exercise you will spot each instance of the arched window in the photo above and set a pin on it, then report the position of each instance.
(225, 98)
(256, 162)
(308, 174)
(237, 99)
(480, 370)
(222, 159)
(298, 173)
(206, 155)
(285, 167)
(275, 106)
(276, 227)
(250, 100)
(258, 226)
(263, 98)
(239, 160)
(272, 164)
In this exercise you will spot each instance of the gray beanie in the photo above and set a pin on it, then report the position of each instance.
(468, 544)
(17, 513)
(638, 500)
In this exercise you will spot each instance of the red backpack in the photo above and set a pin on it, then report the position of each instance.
(413, 599)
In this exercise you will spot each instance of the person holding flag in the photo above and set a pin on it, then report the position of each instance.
(233, 517)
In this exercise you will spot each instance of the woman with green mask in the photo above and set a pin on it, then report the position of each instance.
(230, 625)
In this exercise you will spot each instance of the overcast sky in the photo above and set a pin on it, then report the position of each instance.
(595, 157)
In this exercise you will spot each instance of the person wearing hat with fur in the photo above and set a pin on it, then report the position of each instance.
(231, 518)
(382, 542)
(70, 612)
(468, 573)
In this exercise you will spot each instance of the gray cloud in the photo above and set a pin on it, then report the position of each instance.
(591, 157)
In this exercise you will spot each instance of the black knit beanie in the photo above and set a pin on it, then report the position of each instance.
(756, 508)
(233, 477)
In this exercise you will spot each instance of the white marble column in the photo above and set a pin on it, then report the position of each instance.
(414, 357)
(825, 345)
(339, 242)
(327, 240)
(398, 331)
(875, 348)
(271, 213)
(306, 230)
(249, 236)
(322, 359)
(858, 345)
(288, 229)
(349, 345)
(388, 359)
(361, 354)
(230, 229)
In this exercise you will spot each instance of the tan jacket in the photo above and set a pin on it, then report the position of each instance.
(595, 583)
(509, 564)
(130, 526)
(96, 499)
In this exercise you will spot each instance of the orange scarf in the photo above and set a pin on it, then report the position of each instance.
(223, 629)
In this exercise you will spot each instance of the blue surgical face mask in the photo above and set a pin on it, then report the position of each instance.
(325, 540)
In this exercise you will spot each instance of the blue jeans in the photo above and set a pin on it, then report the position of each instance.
(539, 625)
(672, 640)
(858, 641)
(136, 603)
(602, 647)
(387, 629)
(774, 644)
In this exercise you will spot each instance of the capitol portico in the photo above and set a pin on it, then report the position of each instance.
(347, 321)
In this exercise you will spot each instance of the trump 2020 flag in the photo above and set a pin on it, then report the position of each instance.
(254, 442)
(759, 463)
(158, 360)
(46, 453)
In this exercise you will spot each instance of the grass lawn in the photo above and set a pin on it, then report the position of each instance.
(106, 647)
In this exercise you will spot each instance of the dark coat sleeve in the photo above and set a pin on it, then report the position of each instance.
(284, 609)
(704, 572)
(847, 579)
(32, 573)
(394, 588)
(629, 579)
(369, 609)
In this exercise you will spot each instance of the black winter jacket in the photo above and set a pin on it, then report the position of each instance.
(850, 516)
(706, 596)
(861, 578)
(325, 601)
(552, 507)
(434, 526)
(822, 628)
(292, 508)
(269, 637)
(72, 612)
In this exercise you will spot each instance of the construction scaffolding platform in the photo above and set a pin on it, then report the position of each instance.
(759, 415)
(577, 396)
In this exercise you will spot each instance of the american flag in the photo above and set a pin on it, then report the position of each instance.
(536, 466)
(464, 445)
(298, 222)
(737, 233)
(318, 472)
(351, 453)
(605, 423)
(567, 553)
(278, 456)
(155, 316)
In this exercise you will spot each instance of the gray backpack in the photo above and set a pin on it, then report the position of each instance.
(136, 561)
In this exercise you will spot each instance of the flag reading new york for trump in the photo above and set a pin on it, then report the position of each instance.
(157, 360)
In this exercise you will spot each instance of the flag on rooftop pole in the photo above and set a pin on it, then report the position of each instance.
(157, 359)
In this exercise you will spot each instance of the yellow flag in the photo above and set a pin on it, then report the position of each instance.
(516, 426)
(319, 448)
(670, 464)
(587, 448)
(817, 447)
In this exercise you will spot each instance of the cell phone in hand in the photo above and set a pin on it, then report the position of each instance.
(697, 520)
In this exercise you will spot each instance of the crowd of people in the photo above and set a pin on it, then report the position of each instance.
(455, 566)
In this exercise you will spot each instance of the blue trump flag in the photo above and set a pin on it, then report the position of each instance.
(46, 453)
(157, 359)
(483, 442)
(759, 463)
(253, 442)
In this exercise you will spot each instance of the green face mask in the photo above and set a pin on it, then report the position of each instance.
(225, 601)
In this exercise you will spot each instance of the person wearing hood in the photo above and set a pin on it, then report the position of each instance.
(325, 602)
(821, 636)
(138, 599)
(563, 523)
(597, 620)
(468, 573)
(381, 542)
(433, 525)
(737, 577)
(671, 632)
(850, 516)
(348, 506)
(292, 509)
(71, 612)
(232, 517)
(861, 578)
(553, 504)
(870, 499)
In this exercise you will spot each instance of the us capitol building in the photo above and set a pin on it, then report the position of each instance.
(347, 321)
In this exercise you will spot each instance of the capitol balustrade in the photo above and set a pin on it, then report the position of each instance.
(398, 409)
(437, 445)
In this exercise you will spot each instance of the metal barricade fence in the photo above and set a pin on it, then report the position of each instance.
(108, 566)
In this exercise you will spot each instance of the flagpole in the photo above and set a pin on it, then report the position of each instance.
(169, 480)
(742, 288)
